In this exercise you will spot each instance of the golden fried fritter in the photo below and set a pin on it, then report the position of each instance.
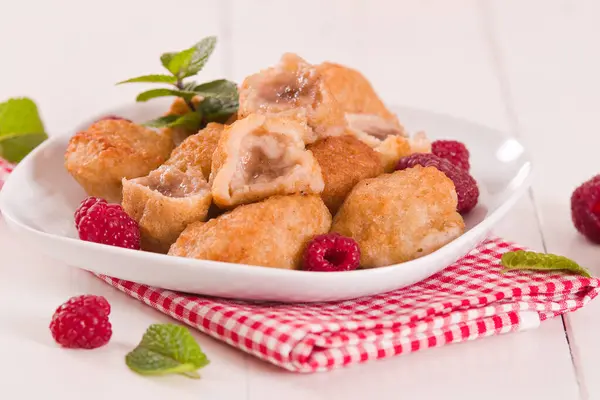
(293, 84)
(272, 233)
(197, 150)
(164, 203)
(401, 216)
(261, 156)
(344, 162)
(354, 93)
(109, 150)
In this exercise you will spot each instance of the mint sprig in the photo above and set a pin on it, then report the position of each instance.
(219, 98)
(167, 349)
(529, 260)
(21, 128)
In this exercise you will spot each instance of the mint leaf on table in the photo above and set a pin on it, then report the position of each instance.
(167, 349)
(21, 128)
(529, 260)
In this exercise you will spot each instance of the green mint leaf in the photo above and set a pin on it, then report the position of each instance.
(167, 349)
(153, 93)
(161, 122)
(157, 78)
(19, 116)
(221, 88)
(529, 260)
(214, 109)
(191, 121)
(202, 51)
(166, 58)
(180, 62)
(15, 147)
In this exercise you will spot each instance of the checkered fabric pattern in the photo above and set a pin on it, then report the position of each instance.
(470, 299)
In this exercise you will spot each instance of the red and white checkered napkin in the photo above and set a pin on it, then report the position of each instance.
(468, 300)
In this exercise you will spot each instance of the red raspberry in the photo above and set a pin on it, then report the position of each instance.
(453, 151)
(100, 222)
(585, 209)
(331, 253)
(82, 323)
(112, 117)
(466, 187)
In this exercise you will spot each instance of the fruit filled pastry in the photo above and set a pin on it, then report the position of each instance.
(401, 216)
(296, 85)
(355, 95)
(197, 150)
(164, 202)
(344, 162)
(272, 233)
(111, 149)
(261, 156)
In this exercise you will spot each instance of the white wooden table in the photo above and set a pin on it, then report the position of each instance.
(527, 67)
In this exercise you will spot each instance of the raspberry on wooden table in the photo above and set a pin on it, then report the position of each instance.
(100, 222)
(331, 252)
(82, 322)
(466, 187)
(453, 151)
(585, 209)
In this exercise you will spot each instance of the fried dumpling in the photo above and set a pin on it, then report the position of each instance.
(261, 156)
(295, 85)
(110, 150)
(401, 216)
(197, 150)
(272, 233)
(164, 202)
(344, 162)
(355, 94)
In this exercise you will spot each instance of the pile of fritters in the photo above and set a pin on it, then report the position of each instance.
(311, 150)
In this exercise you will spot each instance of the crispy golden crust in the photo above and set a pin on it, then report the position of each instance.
(164, 203)
(261, 156)
(392, 149)
(197, 150)
(272, 233)
(401, 216)
(293, 84)
(344, 162)
(109, 150)
(353, 92)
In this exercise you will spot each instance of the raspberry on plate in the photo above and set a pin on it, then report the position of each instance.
(100, 222)
(82, 322)
(466, 187)
(585, 209)
(331, 252)
(453, 151)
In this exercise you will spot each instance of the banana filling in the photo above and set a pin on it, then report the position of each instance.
(171, 182)
(374, 126)
(265, 159)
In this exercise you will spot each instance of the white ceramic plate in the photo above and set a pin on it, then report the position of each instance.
(40, 197)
